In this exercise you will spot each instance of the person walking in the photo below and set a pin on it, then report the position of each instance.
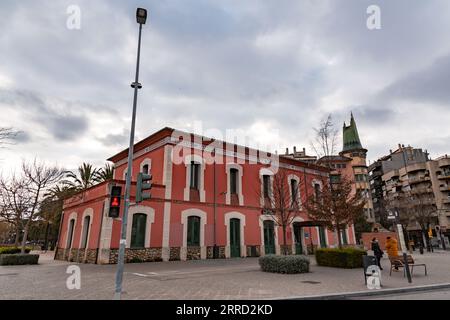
(392, 248)
(378, 253)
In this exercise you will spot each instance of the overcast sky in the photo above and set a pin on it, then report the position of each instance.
(271, 68)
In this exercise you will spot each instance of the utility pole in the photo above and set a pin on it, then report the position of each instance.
(141, 17)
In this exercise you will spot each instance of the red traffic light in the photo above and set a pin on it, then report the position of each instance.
(115, 202)
(114, 205)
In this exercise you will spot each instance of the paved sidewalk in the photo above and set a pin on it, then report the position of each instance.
(203, 279)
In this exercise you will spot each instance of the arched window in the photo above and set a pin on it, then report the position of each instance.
(85, 235)
(266, 186)
(195, 175)
(70, 234)
(145, 169)
(193, 231)
(294, 191)
(138, 230)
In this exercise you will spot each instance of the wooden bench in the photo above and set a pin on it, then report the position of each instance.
(398, 262)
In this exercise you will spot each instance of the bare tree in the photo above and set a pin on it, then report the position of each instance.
(282, 203)
(324, 144)
(336, 206)
(415, 206)
(400, 204)
(40, 178)
(14, 202)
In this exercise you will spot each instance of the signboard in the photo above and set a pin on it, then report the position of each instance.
(306, 235)
(391, 215)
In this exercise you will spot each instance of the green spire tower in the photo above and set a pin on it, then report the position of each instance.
(351, 137)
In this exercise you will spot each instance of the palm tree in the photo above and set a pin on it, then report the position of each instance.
(105, 174)
(83, 179)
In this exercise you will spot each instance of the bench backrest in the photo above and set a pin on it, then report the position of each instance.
(399, 260)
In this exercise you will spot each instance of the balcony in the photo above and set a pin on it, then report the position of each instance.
(414, 180)
(444, 176)
(391, 174)
(416, 167)
(444, 162)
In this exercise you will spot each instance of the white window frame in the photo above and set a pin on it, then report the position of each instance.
(240, 170)
(187, 190)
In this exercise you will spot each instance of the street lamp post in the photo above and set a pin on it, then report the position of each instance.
(141, 18)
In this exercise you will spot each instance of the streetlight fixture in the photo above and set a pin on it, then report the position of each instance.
(141, 15)
(141, 18)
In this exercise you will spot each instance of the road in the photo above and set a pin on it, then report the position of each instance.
(424, 295)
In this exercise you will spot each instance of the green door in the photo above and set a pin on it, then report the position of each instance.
(235, 238)
(298, 238)
(269, 237)
(322, 238)
(138, 230)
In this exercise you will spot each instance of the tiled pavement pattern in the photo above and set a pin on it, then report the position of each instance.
(203, 279)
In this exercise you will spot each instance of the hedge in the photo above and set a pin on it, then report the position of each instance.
(340, 258)
(18, 259)
(13, 250)
(284, 264)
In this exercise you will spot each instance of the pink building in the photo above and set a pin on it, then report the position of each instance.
(201, 200)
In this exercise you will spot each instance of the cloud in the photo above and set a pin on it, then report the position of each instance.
(429, 84)
(23, 137)
(119, 139)
(250, 65)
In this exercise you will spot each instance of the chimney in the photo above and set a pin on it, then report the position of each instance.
(295, 149)
(403, 145)
(399, 146)
(287, 151)
(390, 151)
(304, 151)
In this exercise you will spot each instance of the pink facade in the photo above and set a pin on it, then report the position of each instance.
(180, 222)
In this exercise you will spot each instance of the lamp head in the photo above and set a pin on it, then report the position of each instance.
(141, 15)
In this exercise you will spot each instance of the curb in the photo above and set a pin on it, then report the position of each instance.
(343, 296)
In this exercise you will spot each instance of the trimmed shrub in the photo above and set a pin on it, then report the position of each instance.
(13, 250)
(348, 258)
(18, 259)
(284, 264)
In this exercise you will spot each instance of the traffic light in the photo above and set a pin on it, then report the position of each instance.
(114, 203)
(144, 182)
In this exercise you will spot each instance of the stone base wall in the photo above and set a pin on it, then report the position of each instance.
(59, 255)
(193, 253)
(77, 255)
(174, 254)
(288, 249)
(253, 251)
(137, 255)
(210, 252)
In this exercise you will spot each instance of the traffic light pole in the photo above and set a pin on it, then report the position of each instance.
(120, 262)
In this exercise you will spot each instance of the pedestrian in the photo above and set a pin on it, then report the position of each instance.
(378, 253)
(392, 248)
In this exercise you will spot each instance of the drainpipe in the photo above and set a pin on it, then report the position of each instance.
(215, 253)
